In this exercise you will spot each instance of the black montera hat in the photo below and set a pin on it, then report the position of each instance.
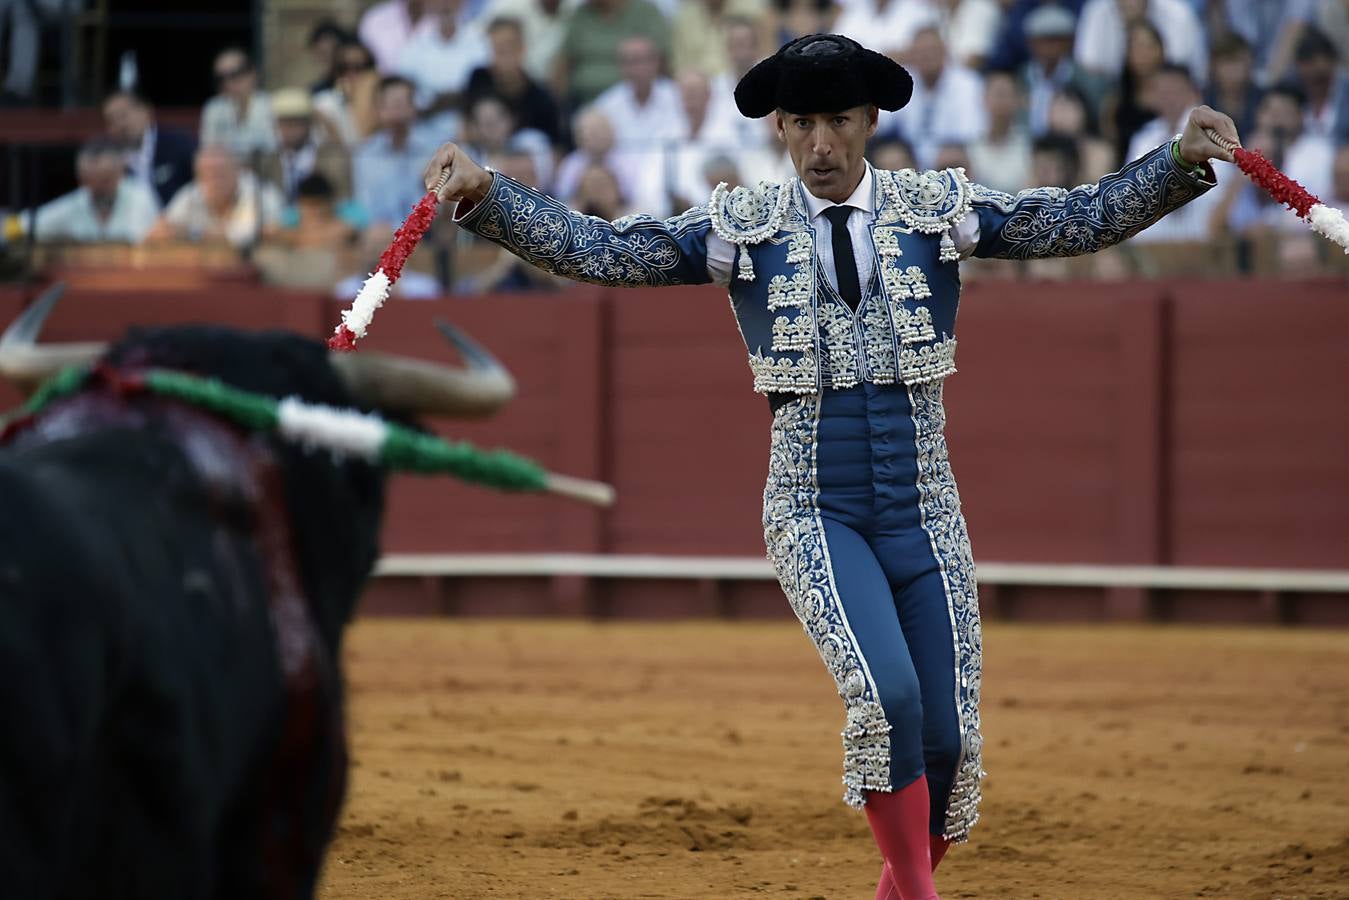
(822, 73)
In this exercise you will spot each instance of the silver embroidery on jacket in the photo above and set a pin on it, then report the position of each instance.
(939, 508)
(794, 537)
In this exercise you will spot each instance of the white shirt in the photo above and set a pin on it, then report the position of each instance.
(948, 112)
(890, 30)
(385, 29)
(1153, 135)
(440, 65)
(721, 253)
(638, 126)
(543, 32)
(1101, 36)
(71, 217)
(222, 126)
(188, 211)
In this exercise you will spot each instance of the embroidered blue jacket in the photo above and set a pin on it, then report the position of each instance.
(800, 335)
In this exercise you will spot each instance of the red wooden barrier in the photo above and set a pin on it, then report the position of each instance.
(1260, 424)
(1152, 422)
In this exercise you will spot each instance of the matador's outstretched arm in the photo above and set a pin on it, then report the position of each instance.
(632, 251)
(1048, 222)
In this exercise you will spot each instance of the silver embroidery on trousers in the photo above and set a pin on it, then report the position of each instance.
(794, 536)
(939, 507)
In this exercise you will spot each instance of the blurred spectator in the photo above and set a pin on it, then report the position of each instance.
(638, 179)
(324, 39)
(438, 59)
(303, 148)
(952, 156)
(588, 62)
(315, 249)
(1171, 94)
(1049, 37)
(1325, 85)
(796, 18)
(1232, 81)
(644, 107)
(886, 26)
(387, 26)
(891, 154)
(1000, 158)
(1272, 29)
(505, 77)
(971, 28)
(504, 271)
(159, 158)
(1128, 109)
(705, 138)
(1306, 158)
(319, 221)
(744, 41)
(598, 193)
(491, 129)
(545, 26)
(700, 30)
(1054, 161)
(24, 19)
(1103, 25)
(223, 203)
(947, 103)
(349, 105)
(107, 206)
(1010, 50)
(239, 117)
(1070, 115)
(387, 168)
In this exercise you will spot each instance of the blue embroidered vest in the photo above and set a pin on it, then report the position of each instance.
(800, 335)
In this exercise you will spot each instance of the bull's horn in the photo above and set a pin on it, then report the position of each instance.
(26, 362)
(401, 385)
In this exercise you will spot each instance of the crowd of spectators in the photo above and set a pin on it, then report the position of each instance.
(625, 106)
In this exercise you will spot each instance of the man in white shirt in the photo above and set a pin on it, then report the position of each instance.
(1173, 96)
(544, 23)
(108, 206)
(1101, 34)
(438, 59)
(888, 25)
(644, 107)
(386, 27)
(222, 203)
(240, 116)
(947, 105)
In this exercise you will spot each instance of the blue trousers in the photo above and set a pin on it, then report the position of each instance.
(863, 525)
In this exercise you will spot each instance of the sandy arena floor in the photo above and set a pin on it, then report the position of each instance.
(529, 759)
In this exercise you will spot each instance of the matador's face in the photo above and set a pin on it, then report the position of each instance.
(828, 149)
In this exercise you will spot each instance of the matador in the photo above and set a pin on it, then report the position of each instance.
(845, 281)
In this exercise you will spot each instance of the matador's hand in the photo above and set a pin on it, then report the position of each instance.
(1196, 146)
(467, 181)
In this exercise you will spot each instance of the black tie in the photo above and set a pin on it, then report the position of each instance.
(845, 264)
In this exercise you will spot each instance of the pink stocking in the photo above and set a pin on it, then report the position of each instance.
(899, 823)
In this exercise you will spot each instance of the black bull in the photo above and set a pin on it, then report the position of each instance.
(173, 592)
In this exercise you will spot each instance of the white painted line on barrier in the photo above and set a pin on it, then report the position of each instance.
(736, 568)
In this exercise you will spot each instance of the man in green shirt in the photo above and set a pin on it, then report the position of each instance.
(588, 61)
